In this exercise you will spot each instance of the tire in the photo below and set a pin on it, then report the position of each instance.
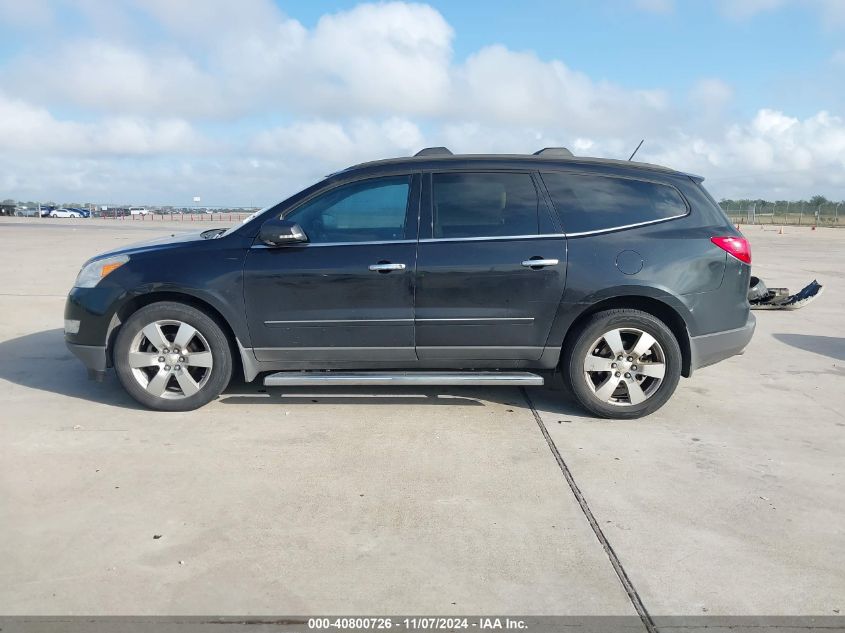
(612, 387)
(172, 380)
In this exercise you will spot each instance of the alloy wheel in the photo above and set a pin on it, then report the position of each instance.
(625, 366)
(170, 359)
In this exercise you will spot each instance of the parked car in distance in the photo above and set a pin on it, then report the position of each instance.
(138, 211)
(26, 212)
(65, 213)
(83, 213)
(435, 269)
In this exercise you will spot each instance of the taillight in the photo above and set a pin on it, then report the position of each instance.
(736, 246)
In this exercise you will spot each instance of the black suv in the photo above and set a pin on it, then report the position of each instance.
(437, 269)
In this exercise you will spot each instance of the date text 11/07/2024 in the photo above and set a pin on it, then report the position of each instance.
(417, 623)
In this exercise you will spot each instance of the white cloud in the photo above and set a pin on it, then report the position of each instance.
(503, 86)
(27, 129)
(833, 11)
(238, 58)
(391, 54)
(336, 145)
(108, 77)
(30, 13)
(771, 154)
(711, 93)
(386, 59)
(196, 105)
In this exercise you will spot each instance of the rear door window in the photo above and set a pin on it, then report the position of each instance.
(594, 203)
(484, 205)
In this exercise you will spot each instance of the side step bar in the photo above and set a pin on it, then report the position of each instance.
(334, 378)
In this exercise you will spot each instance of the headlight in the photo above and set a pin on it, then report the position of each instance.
(93, 272)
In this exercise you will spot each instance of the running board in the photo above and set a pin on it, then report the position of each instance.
(334, 378)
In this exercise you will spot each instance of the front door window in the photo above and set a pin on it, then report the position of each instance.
(365, 211)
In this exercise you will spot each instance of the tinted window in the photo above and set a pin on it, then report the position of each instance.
(484, 205)
(592, 203)
(366, 211)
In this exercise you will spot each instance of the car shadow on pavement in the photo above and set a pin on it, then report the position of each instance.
(830, 346)
(257, 394)
(42, 361)
(239, 392)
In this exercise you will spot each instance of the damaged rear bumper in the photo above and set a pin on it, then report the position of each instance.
(762, 298)
(711, 348)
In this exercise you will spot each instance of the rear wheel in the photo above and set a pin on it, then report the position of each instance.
(172, 357)
(622, 363)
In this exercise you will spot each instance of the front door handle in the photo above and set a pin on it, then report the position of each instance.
(385, 267)
(540, 263)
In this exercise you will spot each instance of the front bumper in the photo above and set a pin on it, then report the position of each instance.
(89, 321)
(94, 357)
(711, 348)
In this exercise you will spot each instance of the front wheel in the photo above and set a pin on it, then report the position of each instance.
(622, 364)
(172, 357)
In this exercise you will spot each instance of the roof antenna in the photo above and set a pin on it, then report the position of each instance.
(631, 157)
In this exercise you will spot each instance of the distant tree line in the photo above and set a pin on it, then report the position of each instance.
(743, 203)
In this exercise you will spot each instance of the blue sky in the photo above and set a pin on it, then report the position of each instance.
(152, 101)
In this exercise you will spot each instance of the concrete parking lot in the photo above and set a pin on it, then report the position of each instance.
(730, 500)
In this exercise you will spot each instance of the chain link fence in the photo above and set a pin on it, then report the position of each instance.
(205, 214)
(786, 213)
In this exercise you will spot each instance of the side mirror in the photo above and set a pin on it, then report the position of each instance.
(278, 232)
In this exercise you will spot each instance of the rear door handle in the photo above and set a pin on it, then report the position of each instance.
(385, 267)
(540, 263)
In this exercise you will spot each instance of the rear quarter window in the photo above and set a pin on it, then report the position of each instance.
(595, 203)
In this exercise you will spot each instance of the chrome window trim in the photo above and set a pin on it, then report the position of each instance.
(543, 236)
(627, 226)
(533, 236)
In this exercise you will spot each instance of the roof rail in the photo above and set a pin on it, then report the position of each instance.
(554, 151)
(434, 151)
